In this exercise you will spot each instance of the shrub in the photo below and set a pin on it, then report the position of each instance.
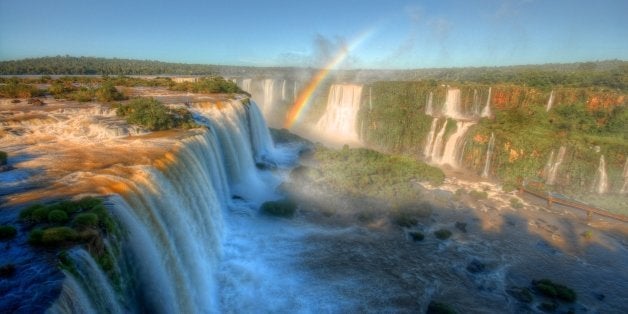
(85, 220)
(57, 216)
(34, 237)
(153, 115)
(478, 195)
(108, 92)
(439, 308)
(281, 208)
(404, 219)
(587, 234)
(40, 214)
(554, 290)
(27, 213)
(89, 202)
(58, 235)
(7, 232)
(3, 158)
(442, 234)
(516, 203)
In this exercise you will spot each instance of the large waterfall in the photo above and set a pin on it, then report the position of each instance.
(452, 152)
(452, 104)
(171, 213)
(340, 116)
(489, 154)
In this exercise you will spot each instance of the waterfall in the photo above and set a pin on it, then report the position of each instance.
(489, 153)
(283, 90)
(624, 187)
(264, 149)
(339, 118)
(267, 104)
(370, 99)
(553, 165)
(437, 145)
(550, 101)
(476, 103)
(429, 143)
(429, 110)
(452, 104)
(602, 178)
(246, 85)
(294, 92)
(486, 112)
(454, 144)
(86, 289)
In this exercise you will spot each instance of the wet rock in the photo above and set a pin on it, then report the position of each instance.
(600, 296)
(442, 234)
(475, 266)
(439, 308)
(416, 236)
(462, 226)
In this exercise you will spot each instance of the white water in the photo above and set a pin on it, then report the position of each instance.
(429, 143)
(489, 154)
(476, 103)
(429, 110)
(452, 104)
(453, 147)
(436, 147)
(246, 85)
(602, 177)
(624, 188)
(268, 98)
(340, 116)
(550, 101)
(486, 112)
(553, 165)
(283, 90)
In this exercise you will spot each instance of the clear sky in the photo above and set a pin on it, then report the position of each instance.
(397, 33)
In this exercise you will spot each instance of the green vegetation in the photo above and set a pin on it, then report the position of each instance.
(57, 216)
(439, 308)
(57, 236)
(554, 290)
(442, 234)
(407, 215)
(107, 92)
(516, 203)
(281, 208)
(7, 232)
(365, 172)
(478, 195)
(14, 88)
(3, 158)
(208, 85)
(153, 115)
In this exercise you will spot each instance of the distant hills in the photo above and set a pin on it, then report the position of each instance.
(609, 73)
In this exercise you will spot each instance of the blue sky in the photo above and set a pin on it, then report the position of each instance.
(402, 34)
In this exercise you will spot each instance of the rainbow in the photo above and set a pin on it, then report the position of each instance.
(306, 94)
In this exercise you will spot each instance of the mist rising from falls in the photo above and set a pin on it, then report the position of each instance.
(489, 154)
(340, 116)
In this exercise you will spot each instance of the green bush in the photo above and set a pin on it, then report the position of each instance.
(35, 236)
(516, 203)
(108, 92)
(281, 208)
(439, 308)
(404, 219)
(58, 235)
(3, 158)
(7, 232)
(554, 290)
(153, 115)
(40, 214)
(57, 216)
(89, 202)
(85, 220)
(442, 234)
(478, 195)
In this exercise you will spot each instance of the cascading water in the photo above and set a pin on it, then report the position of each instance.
(453, 147)
(452, 104)
(429, 143)
(489, 153)
(436, 147)
(246, 85)
(370, 99)
(624, 188)
(476, 103)
(486, 112)
(550, 101)
(268, 88)
(339, 118)
(601, 186)
(552, 170)
(429, 110)
(283, 90)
